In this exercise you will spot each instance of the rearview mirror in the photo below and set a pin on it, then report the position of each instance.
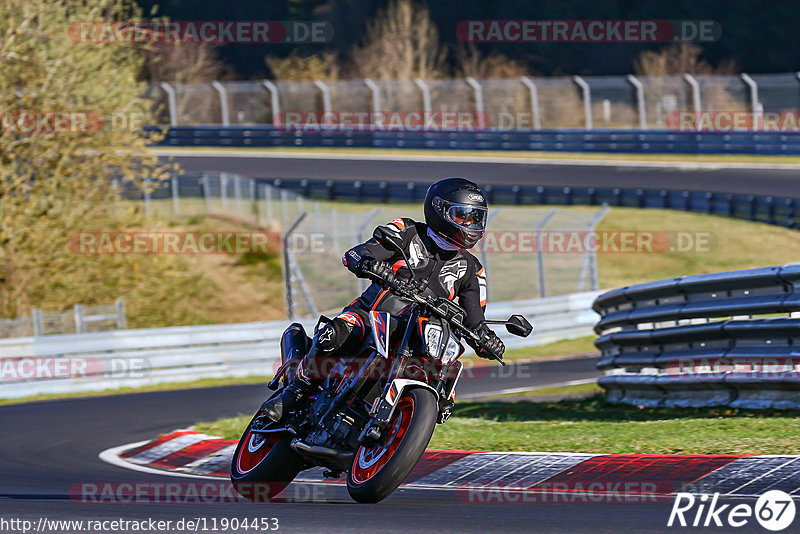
(386, 239)
(518, 325)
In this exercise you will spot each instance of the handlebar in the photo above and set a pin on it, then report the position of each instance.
(431, 303)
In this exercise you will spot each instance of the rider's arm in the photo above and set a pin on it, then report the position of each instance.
(354, 258)
(472, 296)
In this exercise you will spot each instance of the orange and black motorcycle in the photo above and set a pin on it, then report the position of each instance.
(377, 408)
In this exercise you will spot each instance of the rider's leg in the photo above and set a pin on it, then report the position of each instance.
(343, 332)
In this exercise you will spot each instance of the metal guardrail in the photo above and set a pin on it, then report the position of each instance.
(704, 340)
(761, 208)
(134, 358)
(569, 140)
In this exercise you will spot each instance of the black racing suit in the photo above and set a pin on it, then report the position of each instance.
(455, 274)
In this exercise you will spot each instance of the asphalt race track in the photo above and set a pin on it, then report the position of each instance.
(49, 447)
(716, 178)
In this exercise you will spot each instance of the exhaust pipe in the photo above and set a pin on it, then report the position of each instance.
(343, 458)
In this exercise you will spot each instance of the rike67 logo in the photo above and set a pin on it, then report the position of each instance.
(774, 510)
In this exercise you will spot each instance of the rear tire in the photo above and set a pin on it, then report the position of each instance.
(263, 465)
(377, 471)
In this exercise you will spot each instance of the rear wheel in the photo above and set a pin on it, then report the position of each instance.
(378, 470)
(263, 464)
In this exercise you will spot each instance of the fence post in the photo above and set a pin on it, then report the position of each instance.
(326, 95)
(539, 252)
(426, 95)
(253, 201)
(287, 266)
(754, 105)
(275, 102)
(115, 193)
(484, 257)
(223, 191)
(634, 81)
(537, 122)
(122, 322)
(590, 256)
(206, 193)
(237, 193)
(175, 198)
(146, 195)
(284, 209)
(77, 313)
(223, 102)
(172, 102)
(268, 204)
(696, 102)
(376, 97)
(587, 100)
(38, 323)
(479, 108)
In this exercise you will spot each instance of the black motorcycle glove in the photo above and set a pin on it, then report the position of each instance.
(380, 272)
(493, 343)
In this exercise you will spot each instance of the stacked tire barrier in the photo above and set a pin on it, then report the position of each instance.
(719, 339)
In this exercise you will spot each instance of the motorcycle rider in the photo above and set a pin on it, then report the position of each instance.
(455, 220)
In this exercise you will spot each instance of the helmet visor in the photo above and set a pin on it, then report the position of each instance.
(468, 217)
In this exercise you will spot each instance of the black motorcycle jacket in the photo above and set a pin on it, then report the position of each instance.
(455, 274)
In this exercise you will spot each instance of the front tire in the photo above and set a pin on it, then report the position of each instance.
(263, 464)
(378, 470)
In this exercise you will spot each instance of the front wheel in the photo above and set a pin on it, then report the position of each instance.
(378, 470)
(263, 464)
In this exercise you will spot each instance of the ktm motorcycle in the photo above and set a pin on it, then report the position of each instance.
(375, 412)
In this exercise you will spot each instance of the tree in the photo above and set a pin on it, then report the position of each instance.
(56, 177)
(402, 43)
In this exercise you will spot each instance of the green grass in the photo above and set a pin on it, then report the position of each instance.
(593, 426)
(682, 158)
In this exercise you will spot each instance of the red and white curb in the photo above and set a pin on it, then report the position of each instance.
(186, 453)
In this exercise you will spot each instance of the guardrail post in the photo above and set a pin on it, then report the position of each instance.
(77, 313)
(122, 321)
(537, 121)
(223, 102)
(175, 198)
(479, 109)
(696, 103)
(634, 81)
(172, 102)
(38, 323)
(587, 100)
(539, 252)
(754, 105)
(275, 102)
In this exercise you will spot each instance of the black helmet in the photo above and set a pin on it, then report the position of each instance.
(455, 209)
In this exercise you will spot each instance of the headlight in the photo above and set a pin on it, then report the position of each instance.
(453, 351)
(433, 339)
